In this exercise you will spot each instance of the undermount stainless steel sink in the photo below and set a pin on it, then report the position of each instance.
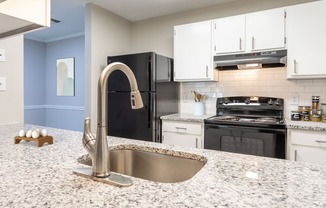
(152, 166)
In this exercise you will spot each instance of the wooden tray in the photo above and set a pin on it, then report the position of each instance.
(39, 141)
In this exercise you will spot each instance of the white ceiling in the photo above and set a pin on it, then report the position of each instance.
(71, 13)
(135, 10)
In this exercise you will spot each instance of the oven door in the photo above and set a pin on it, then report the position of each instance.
(246, 140)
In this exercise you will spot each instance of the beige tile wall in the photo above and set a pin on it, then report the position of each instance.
(270, 82)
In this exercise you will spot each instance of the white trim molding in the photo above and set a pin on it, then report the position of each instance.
(54, 107)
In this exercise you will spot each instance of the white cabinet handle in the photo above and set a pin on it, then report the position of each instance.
(181, 128)
(295, 66)
(252, 42)
(321, 141)
(295, 155)
(240, 44)
(206, 71)
(196, 142)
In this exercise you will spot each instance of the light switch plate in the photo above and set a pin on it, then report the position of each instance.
(2, 55)
(3, 85)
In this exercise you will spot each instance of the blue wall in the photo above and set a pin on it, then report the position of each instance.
(34, 82)
(59, 112)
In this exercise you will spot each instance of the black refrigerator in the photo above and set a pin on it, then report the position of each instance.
(154, 75)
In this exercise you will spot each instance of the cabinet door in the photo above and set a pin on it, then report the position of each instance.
(22, 10)
(306, 32)
(182, 139)
(229, 34)
(193, 58)
(308, 154)
(16, 16)
(266, 29)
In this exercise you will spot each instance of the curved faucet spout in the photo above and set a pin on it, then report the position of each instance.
(100, 154)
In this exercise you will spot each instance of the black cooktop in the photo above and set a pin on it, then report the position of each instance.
(249, 111)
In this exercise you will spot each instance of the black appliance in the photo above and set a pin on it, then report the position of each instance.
(265, 59)
(248, 125)
(154, 75)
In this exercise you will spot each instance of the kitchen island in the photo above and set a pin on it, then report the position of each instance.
(42, 177)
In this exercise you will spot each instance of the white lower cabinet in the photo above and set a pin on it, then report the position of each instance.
(307, 146)
(188, 134)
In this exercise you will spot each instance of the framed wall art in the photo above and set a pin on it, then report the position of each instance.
(66, 77)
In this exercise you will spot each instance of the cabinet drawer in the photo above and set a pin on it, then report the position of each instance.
(182, 139)
(182, 127)
(308, 138)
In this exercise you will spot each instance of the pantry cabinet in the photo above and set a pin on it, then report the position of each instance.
(18, 16)
(306, 31)
(189, 134)
(251, 32)
(193, 60)
(307, 146)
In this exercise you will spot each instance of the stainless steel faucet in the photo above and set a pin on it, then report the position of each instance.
(98, 148)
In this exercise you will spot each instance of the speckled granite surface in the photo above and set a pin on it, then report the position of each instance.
(306, 125)
(42, 177)
(185, 117)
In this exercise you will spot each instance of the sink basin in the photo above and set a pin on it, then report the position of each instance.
(152, 166)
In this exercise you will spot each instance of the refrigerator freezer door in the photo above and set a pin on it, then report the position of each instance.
(128, 123)
(142, 65)
(164, 69)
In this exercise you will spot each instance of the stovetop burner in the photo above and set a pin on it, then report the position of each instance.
(267, 120)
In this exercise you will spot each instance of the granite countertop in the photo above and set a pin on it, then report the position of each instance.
(42, 177)
(306, 125)
(185, 117)
(302, 125)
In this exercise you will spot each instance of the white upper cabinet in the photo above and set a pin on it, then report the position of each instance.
(266, 29)
(251, 32)
(193, 59)
(306, 31)
(19, 16)
(229, 34)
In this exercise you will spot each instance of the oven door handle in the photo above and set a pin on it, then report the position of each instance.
(244, 127)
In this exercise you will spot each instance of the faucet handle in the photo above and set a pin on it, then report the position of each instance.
(136, 101)
(88, 138)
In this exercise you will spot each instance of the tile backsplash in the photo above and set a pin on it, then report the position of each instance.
(269, 82)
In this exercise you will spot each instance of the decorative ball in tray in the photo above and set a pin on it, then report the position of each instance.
(40, 137)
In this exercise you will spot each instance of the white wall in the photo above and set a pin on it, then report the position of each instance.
(105, 34)
(12, 100)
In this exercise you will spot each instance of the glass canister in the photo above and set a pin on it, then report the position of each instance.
(315, 102)
(323, 118)
(295, 115)
(323, 108)
(304, 112)
(315, 115)
(323, 112)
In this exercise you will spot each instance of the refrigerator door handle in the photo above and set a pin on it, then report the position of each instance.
(149, 73)
(149, 110)
(169, 71)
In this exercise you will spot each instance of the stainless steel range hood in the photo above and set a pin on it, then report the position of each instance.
(266, 59)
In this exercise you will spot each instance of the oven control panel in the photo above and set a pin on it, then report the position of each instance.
(253, 101)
